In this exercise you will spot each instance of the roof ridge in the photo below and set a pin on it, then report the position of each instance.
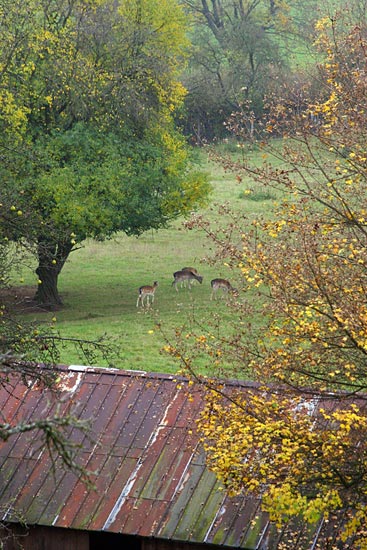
(154, 375)
(121, 372)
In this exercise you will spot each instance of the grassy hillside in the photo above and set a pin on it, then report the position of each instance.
(99, 284)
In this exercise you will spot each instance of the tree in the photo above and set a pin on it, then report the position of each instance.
(241, 50)
(297, 436)
(89, 144)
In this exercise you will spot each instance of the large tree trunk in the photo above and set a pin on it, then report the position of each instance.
(47, 293)
(51, 259)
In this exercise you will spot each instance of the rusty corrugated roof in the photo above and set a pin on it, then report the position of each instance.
(151, 478)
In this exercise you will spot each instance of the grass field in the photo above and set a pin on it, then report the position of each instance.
(99, 283)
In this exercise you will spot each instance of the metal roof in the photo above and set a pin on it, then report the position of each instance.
(150, 473)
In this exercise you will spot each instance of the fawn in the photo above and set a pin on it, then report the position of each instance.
(145, 292)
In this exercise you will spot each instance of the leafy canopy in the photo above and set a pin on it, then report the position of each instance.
(87, 101)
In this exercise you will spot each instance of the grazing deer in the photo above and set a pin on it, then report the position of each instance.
(185, 276)
(145, 292)
(193, 270)
(221, 284)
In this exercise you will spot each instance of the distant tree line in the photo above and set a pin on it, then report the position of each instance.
(243, 51)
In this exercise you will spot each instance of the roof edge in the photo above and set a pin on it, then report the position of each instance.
(150, 375)
(122, 372)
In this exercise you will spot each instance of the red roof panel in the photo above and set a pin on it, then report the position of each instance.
(150, 474)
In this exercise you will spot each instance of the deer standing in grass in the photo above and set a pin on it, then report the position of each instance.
(145, 292)
(221, 284)
(186, 275)
(193, 270)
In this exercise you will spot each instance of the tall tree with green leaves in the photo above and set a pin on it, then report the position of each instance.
(88, 90)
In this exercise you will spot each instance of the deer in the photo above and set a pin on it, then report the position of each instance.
(145, 292)
(185, 276)
(192, 269)
(221, 284)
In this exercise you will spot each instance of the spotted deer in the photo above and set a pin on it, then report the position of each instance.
(145, 292)
(184, 276)
(221, 284)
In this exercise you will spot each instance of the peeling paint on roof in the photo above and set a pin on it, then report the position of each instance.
(151, 478)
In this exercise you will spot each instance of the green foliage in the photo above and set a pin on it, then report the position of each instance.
(242, 51)
(91, 183)
(94, 149)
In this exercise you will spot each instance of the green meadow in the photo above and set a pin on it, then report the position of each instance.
(99, 284)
